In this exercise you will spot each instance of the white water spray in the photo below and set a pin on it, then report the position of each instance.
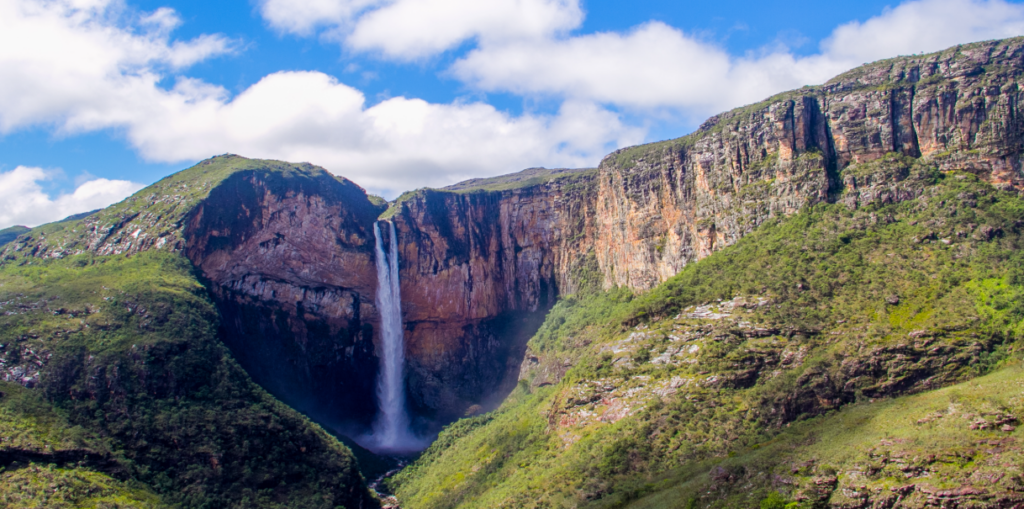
(391, 431)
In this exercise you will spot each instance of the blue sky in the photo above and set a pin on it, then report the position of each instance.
(100, 97)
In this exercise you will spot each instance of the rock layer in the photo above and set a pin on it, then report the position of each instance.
(667, 204)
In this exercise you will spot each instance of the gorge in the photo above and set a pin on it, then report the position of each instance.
(322, 293)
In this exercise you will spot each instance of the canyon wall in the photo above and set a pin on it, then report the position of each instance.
(663, 205)
(478, 258)
(479, 271)
(285, 251)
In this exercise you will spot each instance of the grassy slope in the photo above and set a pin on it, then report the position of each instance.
(133, 365)
(525, 178)
(854, 305)
(9, 234)
(521, 180)
(875, 448)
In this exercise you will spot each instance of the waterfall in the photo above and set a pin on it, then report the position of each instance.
(391, 431)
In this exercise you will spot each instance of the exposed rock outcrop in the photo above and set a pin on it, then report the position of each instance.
(667, 204)
(286, 252)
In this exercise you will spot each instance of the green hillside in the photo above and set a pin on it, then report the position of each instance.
(135, 401)
(48, 462)
(526, 178)
(9, 234)
(765, 374)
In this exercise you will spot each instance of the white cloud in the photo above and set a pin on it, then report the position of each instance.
(23, 202)
(84, 70)
(523, 47)
(657, 66)
(395, 145)
(70, 63)
(85, 65)
(303, 16)
(925, 25)
(411, 29)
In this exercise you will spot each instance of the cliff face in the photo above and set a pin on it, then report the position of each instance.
(663, 205)
(475, 261)
(478, 272)
(286, 252)
(290, 266)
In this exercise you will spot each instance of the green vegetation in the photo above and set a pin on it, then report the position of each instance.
(870, 448)
(866, 73)
(396, 206)
(54, 468)
(168, 200)
(70, 488)
(787, 356)
(526, 178)
(9, 234)
(134, 394)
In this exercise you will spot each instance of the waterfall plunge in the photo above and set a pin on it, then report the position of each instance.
(391, 431)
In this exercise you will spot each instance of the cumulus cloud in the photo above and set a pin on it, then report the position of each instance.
(68, 62)
(656, 65)
(23, 202)
(923, 26)
(84, 69)
(524, 47)
(411, 29)
(304, 16)
(391, 146)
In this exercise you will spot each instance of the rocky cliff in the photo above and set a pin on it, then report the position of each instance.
(488, 253)
(664, 205)
(479, 270)
(289, 254)
(290, 264)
